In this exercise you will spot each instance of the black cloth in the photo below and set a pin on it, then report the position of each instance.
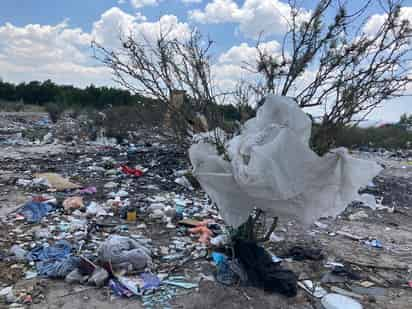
(301, 253)
(262, 271)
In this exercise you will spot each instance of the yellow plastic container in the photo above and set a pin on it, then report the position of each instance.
(131, 215)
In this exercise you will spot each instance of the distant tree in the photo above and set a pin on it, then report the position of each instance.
(353, 71)
(41, 93)
(405, 121)
(159, 68)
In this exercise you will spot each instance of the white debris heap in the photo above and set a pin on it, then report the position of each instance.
(272, 167)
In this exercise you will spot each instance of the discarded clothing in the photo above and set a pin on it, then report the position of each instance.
(299, 253)
(124, 253)
(262, 271)
(270, 166)
(58, 268)
(54, 261)
(59, 250)
(34, 212)
(131, 171)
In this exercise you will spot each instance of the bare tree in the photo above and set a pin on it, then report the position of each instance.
(161, 67)
(353, 71)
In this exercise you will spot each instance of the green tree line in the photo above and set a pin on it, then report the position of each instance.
(42, 93)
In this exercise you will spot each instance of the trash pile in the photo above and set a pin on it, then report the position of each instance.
(131, 222)
(24, 128)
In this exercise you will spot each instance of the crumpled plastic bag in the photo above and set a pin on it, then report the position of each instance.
(95, 210)
(124, 253)
(272, 167)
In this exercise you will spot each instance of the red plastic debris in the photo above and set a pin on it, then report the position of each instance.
(202, 229)
(39, 199)
(131, 171)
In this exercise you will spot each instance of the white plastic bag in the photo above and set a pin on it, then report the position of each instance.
(272, 167)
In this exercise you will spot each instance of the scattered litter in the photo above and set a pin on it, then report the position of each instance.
(368, 200)
(18, 252)
(275, 238)
(313, 289)
(72, 203)
(99, 277)
(320, 225)
(131, 171)
(205, 233)
(375, 243)
(220, 240)
(95, 210)
(88, 190)
(57, 182)
(358, 215)
(181, 284)
(124, 253)
(336, 301)
(349, 235)
(150, 281)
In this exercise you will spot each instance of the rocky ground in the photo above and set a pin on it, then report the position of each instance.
(365, 253)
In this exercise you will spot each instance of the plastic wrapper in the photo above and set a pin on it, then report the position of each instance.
(124, 253)
(271, 166)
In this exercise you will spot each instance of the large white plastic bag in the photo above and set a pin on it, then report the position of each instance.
(273, 168)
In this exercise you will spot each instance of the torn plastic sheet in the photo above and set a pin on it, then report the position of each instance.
(272, 167)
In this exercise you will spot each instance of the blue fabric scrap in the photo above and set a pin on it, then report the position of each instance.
(34, 212)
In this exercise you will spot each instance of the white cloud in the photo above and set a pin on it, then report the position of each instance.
(141, 3)
(41, 52)
(112, 23)
(217, 11)
(253, 17)
(62, 53)
(244, 53)
(115, 23)
(376, 21)
(230, 67)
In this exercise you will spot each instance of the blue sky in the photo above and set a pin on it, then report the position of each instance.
(42, 39)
